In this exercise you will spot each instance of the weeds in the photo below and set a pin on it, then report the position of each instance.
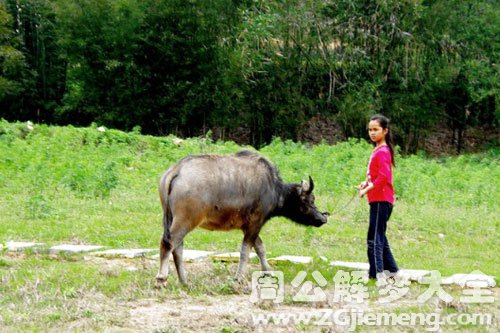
(38, 206)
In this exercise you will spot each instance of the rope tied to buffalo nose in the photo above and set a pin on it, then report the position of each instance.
(355, 194)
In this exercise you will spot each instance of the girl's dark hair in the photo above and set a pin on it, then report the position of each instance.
(384, 123)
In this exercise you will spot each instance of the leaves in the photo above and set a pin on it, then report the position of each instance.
(12, 60)
(251, 70)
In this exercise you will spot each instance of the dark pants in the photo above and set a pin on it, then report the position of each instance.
(379, 253)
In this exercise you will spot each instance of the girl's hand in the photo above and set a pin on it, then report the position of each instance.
(362, 185)
(364, 190)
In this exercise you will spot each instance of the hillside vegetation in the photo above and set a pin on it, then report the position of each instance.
(99, 186)
(250, 70)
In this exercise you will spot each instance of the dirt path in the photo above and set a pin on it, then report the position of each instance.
(223, 314)
(191, 314)
(214, 302)
(235, 311)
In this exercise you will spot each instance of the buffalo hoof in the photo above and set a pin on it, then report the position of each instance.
(161, 282)
(241, 285)
(240, 279)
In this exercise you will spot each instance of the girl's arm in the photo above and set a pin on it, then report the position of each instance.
(383, 173)
(384, 170)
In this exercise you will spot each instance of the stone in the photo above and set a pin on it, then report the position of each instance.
(356, 265)
(230, 256)
(195, 255)
(292, 259)
(475, 279)
(20, 246)
(190, 255)
(413, 274)
(71, 248)
(123, 253)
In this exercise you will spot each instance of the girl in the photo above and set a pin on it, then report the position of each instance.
(379, 189)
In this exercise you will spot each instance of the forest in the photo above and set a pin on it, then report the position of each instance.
(253, 70)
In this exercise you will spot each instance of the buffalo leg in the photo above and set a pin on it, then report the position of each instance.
(165, 250)
(179, 265)
(246, 246)
(261, 252)
(168, 243)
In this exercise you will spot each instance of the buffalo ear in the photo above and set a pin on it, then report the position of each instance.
(303, 187)
(306, 187)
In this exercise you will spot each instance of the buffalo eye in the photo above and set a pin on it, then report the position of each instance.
(306, 205)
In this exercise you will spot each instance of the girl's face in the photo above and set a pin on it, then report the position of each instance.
(376, 132)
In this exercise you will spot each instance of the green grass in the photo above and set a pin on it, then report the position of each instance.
(80, 185)
(64, 184)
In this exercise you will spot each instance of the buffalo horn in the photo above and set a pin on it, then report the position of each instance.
(311, 185)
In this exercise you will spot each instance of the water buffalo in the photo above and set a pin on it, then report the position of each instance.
(224, 192)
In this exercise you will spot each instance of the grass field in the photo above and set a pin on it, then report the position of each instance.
(83, 185)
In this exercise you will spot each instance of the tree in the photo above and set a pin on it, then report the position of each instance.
(153, 63)
(14, 78)
(261, 68)
(35, 26)
(98, 39)
(179, 55)
(461, 45)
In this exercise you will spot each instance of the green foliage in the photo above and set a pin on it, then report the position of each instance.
(92, 181)
(38, 206)
(252, 70)
(12, 63)
(99, 40)
(43, 78)
(147, 63)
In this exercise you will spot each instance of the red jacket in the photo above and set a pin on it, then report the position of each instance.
(380, 174)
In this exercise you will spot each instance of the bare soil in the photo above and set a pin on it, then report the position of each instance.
(436, 141)
(234, 312)
(202, 307)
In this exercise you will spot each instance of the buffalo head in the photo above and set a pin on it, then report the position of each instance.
(300, 206)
